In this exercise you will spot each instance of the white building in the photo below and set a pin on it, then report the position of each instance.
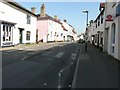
(95, 31)
(17, 24)
(105, 30)
(70, 34)
(112, 29)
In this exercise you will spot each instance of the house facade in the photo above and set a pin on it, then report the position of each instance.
(96, 28)
(105, 30)
(17, 24)
(49, 29)
(70, 32)
(112, 29)
(52, 29)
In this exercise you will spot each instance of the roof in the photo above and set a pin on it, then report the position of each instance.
(99, 15)
(7, 22)
(47, 17)
(64, 28)
(74, 31)
(14, 4)
(102, 5)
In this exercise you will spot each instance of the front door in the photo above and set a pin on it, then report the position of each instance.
(20, 36)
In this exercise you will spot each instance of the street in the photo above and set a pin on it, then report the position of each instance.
(50, 68)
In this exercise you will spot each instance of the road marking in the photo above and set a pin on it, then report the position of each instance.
(11, 50)
(76, 70)
(60, 54)
(24, 58)
(44, 84)
(21, 49)
(60, 75)
(70, 85)
(59, 80)
(73, 56)
(47, 53)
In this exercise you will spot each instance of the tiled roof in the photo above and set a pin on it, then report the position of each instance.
(74, 31)
(15, 4)
(47, 17)
(64, 28)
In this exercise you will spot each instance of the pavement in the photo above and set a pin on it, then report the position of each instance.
(96, 69)
(33, 47)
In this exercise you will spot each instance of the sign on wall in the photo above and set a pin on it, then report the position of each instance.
(109, 18)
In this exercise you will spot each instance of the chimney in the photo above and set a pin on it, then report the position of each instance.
(56, 17)
(43, 10)
(65, 20)
(33, 10)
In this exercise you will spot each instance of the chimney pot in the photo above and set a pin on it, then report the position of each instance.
(33, 10)
(65, 20)
(56, 17)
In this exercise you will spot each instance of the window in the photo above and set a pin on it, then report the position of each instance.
(102, 19)
(55, 33)
(113, 49)
(51, 33)
(96, 24)
(28, 19)
(113, 33)
(61, 34)
(7, 33)
(101, 41)
(98, 21)
(28, 35)
(3, 33)
(118, 10)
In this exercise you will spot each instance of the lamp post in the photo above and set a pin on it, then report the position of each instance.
(85, 11)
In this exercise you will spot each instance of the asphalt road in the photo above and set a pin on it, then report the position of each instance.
(52, 68)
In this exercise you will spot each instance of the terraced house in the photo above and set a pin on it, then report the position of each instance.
(49, 29)
(95, 31)
(104, 32)
(17, 24)
(112, 28)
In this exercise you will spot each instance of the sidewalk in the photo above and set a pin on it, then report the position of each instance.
(96, 69)
(33, 47)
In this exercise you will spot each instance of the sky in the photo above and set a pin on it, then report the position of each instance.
(71, 11)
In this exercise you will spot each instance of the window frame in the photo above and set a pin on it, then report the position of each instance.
(28, 34)
(28, 19)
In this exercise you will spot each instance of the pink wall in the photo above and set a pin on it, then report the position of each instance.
(42, 27)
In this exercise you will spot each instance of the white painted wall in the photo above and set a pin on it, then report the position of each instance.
(111, 10)
(54, 27)
(10, 14)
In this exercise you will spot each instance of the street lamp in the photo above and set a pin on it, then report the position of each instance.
(85, 11)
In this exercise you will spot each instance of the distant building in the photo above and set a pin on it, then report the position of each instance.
(17, 24)
(70, 34)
